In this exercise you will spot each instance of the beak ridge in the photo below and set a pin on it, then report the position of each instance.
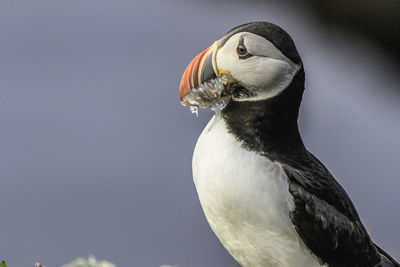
(191, 78)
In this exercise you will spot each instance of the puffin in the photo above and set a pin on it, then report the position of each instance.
(269, 200)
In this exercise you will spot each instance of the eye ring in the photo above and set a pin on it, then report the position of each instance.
(241, 50)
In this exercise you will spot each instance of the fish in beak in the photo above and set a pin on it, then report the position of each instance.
(202, 85)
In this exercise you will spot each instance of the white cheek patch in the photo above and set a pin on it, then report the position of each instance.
(267, 77)
(267, 73)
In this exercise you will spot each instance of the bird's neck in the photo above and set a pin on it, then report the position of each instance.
(269, 126)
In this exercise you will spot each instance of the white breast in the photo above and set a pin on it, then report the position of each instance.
(246, 200)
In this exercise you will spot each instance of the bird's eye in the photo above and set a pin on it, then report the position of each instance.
(241, 50)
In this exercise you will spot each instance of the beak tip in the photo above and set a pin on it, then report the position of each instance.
(183, 91)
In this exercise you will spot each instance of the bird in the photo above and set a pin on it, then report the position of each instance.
(268, 199)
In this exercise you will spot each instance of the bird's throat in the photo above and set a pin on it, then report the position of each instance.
(269, 126)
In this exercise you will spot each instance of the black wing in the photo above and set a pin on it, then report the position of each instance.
(325, 217)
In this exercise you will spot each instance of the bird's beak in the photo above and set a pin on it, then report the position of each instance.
(201, 69)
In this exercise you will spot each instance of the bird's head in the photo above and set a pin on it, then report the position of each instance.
(258, 61)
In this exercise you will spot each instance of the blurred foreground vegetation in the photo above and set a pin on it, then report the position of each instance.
(79, 262)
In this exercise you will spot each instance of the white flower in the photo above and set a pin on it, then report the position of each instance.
(90, 262)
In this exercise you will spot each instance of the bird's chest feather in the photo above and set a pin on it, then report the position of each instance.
(246, 200)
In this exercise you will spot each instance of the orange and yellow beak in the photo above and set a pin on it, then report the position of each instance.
(199, 70)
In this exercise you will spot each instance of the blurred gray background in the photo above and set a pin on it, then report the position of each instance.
(95, 149)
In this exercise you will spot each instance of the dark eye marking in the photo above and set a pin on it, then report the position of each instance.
(241, 50)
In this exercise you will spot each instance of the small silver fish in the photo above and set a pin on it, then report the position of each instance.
(212, 94)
